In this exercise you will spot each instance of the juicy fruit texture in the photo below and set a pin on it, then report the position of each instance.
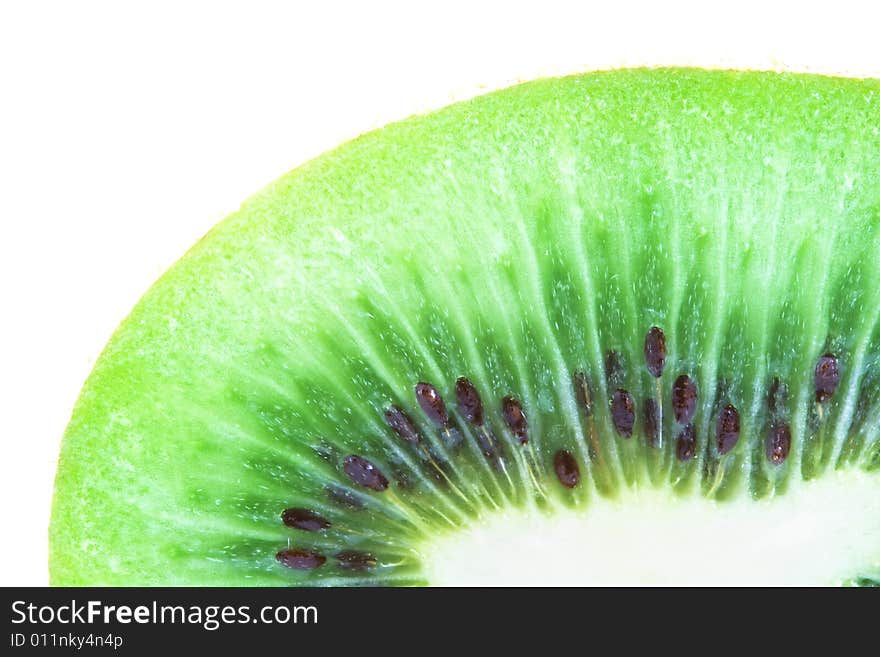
(645, 300)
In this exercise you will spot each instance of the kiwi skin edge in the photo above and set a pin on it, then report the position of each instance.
(525, 244)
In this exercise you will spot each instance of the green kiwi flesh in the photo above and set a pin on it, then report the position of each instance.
(664, 286)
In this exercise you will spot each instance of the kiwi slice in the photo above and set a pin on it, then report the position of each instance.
(613, 328)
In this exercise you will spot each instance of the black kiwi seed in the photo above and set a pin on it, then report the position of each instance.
(402, 425)
(583, 392)
(623, 412)
(826, 377)
(778, 442)
(304, 519)
(515, 419)
(364, 473)
(686, 444)
(432, 403)
(355, 560)
(300, 559)
(684, 399)
(470, 406)
(655, 351)
(567, 469)
(727, 429)
(651, 425)
(469, 403)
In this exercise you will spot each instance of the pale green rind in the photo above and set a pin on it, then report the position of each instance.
(511, 238)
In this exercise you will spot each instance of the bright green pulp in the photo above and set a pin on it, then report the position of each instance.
(512, 239)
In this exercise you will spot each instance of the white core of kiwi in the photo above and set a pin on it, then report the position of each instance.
(819, 532)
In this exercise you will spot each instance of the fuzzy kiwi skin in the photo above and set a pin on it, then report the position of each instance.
(732, 190)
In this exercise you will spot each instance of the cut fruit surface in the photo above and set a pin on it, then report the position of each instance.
(580, 325)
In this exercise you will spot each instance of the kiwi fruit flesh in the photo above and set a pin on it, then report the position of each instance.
(606, 329)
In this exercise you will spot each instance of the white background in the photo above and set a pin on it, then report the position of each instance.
(127, 131)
